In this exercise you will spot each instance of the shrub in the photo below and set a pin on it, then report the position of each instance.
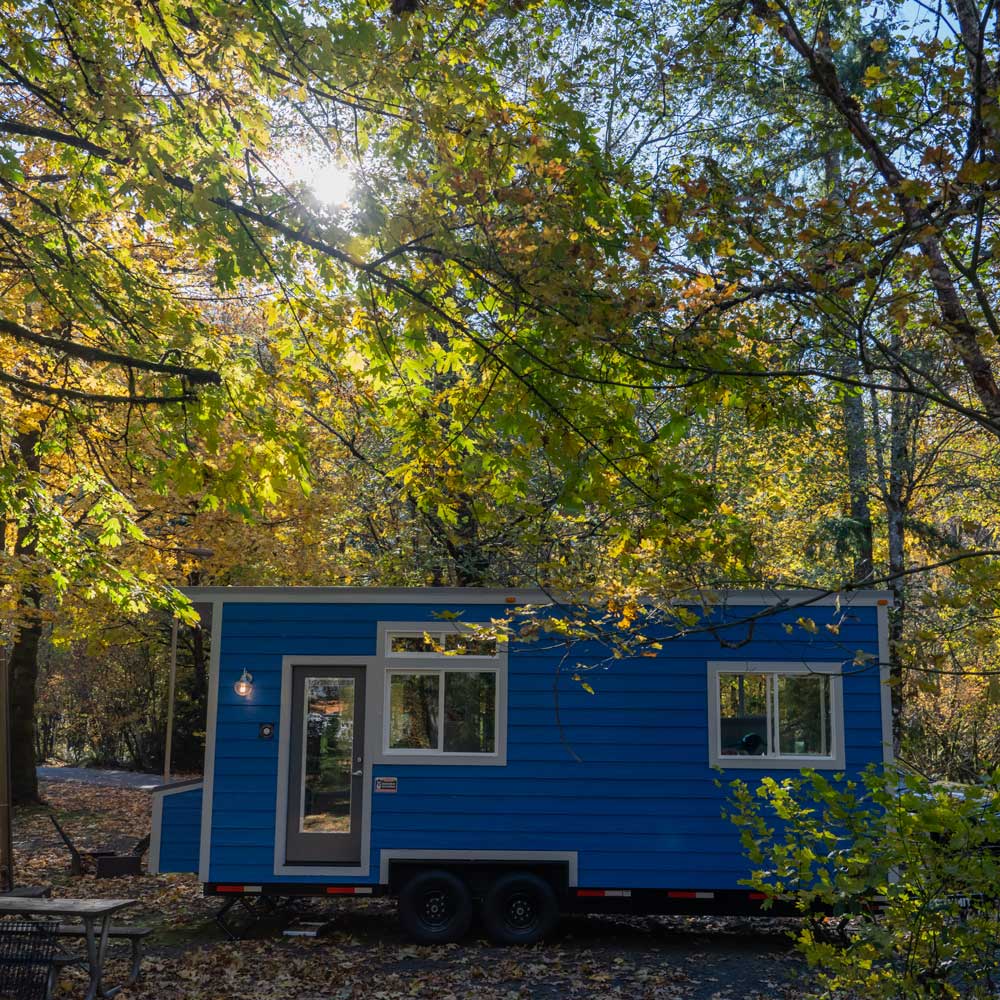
(900, 878)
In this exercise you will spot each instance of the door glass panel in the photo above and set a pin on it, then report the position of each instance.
(327, 755)
(413, 711)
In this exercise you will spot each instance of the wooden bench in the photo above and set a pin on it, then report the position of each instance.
(134, 935)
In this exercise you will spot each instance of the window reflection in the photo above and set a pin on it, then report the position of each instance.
(413, 711)
(328, 754)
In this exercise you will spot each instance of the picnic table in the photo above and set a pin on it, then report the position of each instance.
(94, 916)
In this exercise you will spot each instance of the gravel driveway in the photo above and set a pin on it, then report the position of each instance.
(101, 776)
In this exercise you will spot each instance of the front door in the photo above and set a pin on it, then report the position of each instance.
(326, 765)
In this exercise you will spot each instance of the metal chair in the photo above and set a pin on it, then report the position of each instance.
(104, 864)
(27, 959)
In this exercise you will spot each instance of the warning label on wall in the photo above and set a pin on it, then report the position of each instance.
(385, 784)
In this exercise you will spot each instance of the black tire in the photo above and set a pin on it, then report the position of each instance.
(435, 907)
(519, 908)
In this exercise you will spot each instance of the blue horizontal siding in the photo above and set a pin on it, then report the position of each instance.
(180, 831)
(641, 807)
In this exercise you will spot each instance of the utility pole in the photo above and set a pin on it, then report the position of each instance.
(6, 837)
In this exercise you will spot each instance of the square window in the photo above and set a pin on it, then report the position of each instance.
(444, 695)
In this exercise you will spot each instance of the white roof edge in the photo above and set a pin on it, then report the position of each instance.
(187, 785)
(513, 595)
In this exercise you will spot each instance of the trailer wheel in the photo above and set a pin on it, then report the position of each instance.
(519, 908)
(435, 907)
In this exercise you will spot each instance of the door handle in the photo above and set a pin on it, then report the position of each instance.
(357, 774)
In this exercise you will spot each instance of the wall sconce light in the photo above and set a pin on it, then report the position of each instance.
(244, 685)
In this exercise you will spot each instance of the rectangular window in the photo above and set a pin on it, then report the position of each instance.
(442, 711)
(414, 710)
(790, 714)
(435, 642)
(470, 712)
(743, 714)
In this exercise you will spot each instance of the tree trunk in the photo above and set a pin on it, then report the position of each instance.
(199, 661)
(896, 504)
(470, 561)
(24, 653)
(853, 412)
(858, 480)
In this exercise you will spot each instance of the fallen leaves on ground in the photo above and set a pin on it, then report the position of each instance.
(364, 956)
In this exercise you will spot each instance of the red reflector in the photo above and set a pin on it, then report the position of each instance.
(682, 895)
(340, 890)
(229, 888)
(757, 895)
(590, 892)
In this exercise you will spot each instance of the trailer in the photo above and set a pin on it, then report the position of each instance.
(370, 741)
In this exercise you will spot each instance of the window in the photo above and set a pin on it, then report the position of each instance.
(451, 643)
(445, 694)
(768, 715)
(442, 711)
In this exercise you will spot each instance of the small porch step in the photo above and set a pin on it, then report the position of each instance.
(308, 928)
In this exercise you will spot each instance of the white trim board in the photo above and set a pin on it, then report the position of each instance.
(211, 718)
(155, 830)
(515, 596)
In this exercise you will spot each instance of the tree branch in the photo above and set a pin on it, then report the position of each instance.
(85, 352)
(961, 330)
(38, 390)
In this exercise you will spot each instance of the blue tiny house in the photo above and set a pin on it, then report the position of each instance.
(362, 741)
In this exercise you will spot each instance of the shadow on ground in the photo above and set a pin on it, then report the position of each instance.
(366, 957)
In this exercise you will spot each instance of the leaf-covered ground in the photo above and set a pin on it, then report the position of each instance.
(365, 957)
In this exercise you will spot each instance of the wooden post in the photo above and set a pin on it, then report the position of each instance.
(168, 750)
(6, 835)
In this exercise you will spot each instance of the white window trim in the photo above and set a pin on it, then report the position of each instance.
(835, 761)
(390, 663)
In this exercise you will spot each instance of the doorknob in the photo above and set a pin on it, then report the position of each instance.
(357, 774)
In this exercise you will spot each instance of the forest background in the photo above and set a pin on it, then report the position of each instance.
(614, 298)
